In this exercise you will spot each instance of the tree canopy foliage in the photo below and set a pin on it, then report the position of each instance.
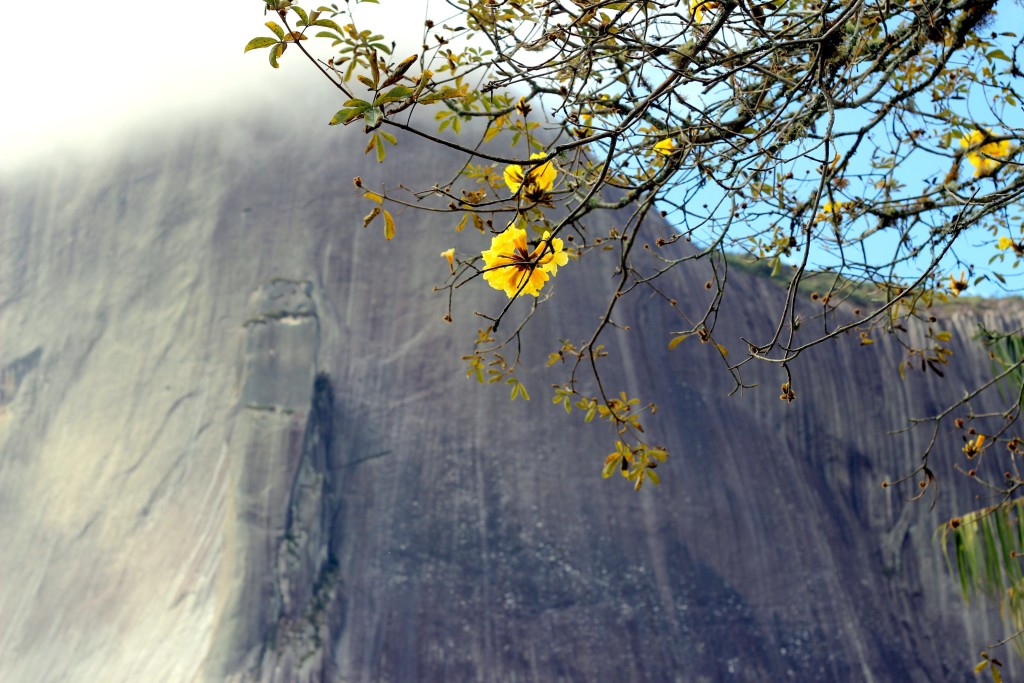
(849, 145)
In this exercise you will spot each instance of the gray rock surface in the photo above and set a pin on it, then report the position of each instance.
(237, 443)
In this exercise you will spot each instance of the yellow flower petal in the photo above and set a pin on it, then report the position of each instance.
(449, 255)
(698, 7)
(665, 147)
(543, 175)
(553, 256)
(1004, 243)
(514, 177)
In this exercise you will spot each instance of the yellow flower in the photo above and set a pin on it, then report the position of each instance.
(665, 147)
(973, 448)
(449, 255)
(957, 286)
(539, 179)
(830, 210)
(510, 266)
(981, 157)
(1004, 243)
(698, 7)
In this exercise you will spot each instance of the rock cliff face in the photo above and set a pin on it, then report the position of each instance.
(237, 443)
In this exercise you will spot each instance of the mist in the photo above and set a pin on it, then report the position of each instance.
(86, 75)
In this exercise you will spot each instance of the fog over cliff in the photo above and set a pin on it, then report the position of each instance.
(237, 444)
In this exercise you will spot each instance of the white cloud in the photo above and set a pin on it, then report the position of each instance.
(78, 73)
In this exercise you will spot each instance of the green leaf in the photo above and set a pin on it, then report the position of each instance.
(275, 54)
(361, 104)
(302, 14)
(333, 36)
(328, 23)
(378, 143)
(961, 562)
(278, 31)
(399, 92)
(373, 117)
(1003, 533)
(445, 93)
(993, 570)
(261, 42)
(346, 115)
(611, 464)
(491, 133)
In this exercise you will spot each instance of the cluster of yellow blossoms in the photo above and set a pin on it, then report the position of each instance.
(535, 183)
(831, 210)
(985, 159)
(510, 266)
